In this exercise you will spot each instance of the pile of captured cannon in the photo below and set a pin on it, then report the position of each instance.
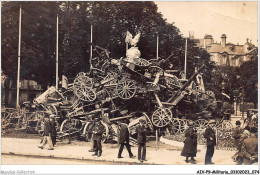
(124, 89)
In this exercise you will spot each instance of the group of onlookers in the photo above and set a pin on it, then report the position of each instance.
(245, 140)
(190, 143)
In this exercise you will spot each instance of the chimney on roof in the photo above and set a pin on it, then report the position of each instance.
(208, 40)
(223, 40)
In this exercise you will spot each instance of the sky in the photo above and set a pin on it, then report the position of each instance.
(238, 20)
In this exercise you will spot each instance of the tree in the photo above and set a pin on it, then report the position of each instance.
(111, 20)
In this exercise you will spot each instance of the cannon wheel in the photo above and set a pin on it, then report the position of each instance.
(162, 117)
(126, 89)
(73, 124)
(142, 62)
(82, 80)
(174, 127)
(183, 125)
(86, 94)
(88, 136)
(86, 131)
(23, 120)
(53, 109)
(40, 123)
(200, 126)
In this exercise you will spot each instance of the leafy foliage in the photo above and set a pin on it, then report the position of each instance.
(110, 22)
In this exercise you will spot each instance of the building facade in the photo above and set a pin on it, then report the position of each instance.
(227, 54)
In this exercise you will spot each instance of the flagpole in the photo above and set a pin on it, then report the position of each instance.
(57, 52)
(157, 50)
(91, 40)
(19, 58)
(185, 63)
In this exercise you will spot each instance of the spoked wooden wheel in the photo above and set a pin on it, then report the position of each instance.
(183, 125)
(82, 80)
(39, 116)
(71, 125)
(162, 117)
(126, 89)
(105, 134)
(142, 62)
(200, 125)
(174, 127)
(86, 94)
(53, 109)
(87, 130)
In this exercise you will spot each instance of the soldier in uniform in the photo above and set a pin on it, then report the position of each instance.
(249, 148)
(124, 139)
(141, 140)
(190, 144)
(211, 142)
(237, 133)
(97, 137)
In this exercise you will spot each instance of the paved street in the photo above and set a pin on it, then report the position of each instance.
(166, 154)
(29, 160)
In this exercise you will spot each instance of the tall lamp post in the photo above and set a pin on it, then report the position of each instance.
(19, 59)
(57, 53)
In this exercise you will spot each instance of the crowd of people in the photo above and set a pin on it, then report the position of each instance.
(245, 140)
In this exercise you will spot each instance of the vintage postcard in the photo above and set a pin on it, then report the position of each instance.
(130, 84)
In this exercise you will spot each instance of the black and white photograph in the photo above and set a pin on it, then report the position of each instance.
(129, 84)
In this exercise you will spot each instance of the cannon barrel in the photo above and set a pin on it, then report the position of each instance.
(120, 118)
(186, 84)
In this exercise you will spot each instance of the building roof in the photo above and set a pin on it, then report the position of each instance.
(230, 48)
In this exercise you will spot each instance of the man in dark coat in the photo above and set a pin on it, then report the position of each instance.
(141, 140)
(97, 137)
(190, 144)
(53, 130)
(211, 142)
(237, 133)
(47, 134)
(249, 148)
(124, 140)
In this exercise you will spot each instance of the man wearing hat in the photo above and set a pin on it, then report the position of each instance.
(124, 139)
(190, 144)
(211, 142)
(237, 133)
(249, 148)
(97, 137)
(141, 140)
(47, 133)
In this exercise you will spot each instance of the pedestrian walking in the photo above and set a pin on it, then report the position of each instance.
(97, 137)
(53, 130)
(190, 144)
(47, 134)
(124, 139)
(141, 140)
(249, 148)
(211, 142)
(237, 133)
